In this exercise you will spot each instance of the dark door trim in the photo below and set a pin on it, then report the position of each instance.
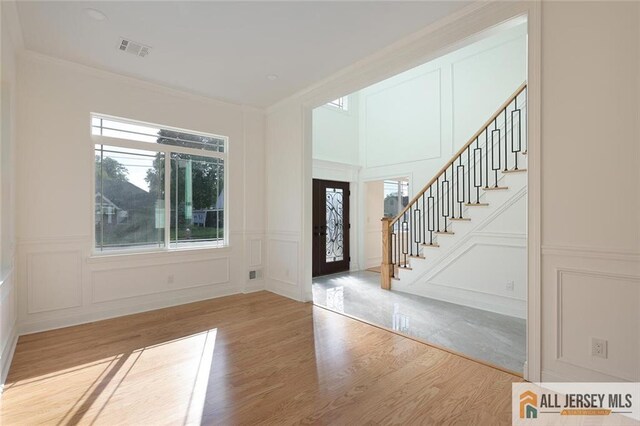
(333, 197)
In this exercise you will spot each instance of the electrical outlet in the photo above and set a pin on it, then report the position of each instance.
(598, 348)
(510, 285)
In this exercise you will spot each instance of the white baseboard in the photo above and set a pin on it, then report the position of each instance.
(254, 285)
(553, 377)
(36, 326)
(373, 262)
(283, 288)
(474, 299)
(7, 356)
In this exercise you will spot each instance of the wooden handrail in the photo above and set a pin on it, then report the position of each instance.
(460, 152)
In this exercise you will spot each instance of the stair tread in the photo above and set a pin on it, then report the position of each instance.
(406, 267)
(417, 257)
(514, 170)
(430, 245)
(445, 232)
(495, 188)
(466, 219)
(476, 204)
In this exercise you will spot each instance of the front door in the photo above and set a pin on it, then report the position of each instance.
(330, 227)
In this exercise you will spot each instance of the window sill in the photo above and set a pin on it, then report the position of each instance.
(156, 254)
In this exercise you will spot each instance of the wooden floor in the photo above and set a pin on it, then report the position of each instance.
(245, 359)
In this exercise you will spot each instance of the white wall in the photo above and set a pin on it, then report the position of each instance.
(372, 229)
(335, 132)
(484, 265)
(410, 125)
(590, 97)
(60, 283)
(8, 293)
(590, 181)
(284, 220)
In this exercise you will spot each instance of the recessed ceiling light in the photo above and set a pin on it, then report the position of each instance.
(95, 14)
(272, 77)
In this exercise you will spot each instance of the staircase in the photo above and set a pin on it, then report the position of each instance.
(488, 172)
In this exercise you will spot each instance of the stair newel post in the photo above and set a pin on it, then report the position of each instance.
(386, 270)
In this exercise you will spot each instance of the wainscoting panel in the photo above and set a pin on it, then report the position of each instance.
(124, 282)
(8, 331)
(585, 296)
(54, 280)
(255, 252)
(60, 284)
(254, 261)
(616, 294)
(283, 265)
(373, 244)
(283, 261)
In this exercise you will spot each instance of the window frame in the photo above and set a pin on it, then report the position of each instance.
(344, 106)
(168, 150)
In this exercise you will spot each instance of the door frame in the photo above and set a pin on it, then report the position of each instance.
(452, 32)
(346, 225)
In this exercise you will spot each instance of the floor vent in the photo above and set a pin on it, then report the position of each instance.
(255, 274)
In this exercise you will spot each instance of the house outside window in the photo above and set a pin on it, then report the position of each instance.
(396, 196)
(143, 171)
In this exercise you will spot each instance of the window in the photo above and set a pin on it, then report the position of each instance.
(396, 196)
(341, 103)
(143, 171)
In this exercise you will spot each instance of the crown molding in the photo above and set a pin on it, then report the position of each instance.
(11, 18)
(408, 47)
(30, 55)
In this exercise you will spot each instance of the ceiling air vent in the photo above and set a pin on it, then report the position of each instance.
(133, 47)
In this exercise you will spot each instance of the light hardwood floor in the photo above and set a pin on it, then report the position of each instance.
(245, 359)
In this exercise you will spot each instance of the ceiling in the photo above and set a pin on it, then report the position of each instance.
(225, 50)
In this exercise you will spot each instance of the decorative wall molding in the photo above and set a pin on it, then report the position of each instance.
(591, 252)
(453, 72)
(492, 302)
(290, 275)
(477, 292)
(36, 324)
(73, 297)
(561, 272)
(7, 356)
(283, 235)
(254, 286)
(57, 240)
(7, 284)
(472, 238)
(331, 170)
(255, 252)
(158, 288)
(457, 254)
(364, 126)
(8, 322)
(159, 257)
